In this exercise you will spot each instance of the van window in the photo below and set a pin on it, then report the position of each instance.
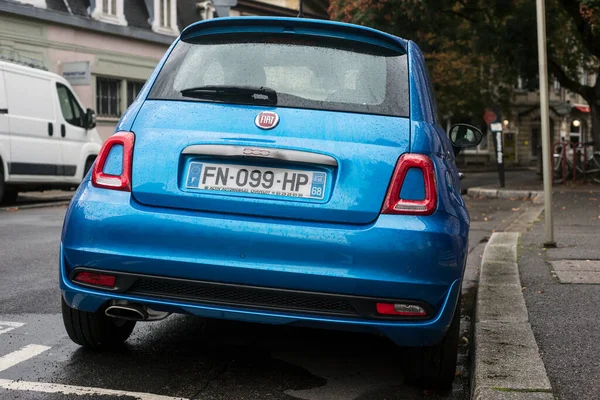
(29, 96)
(324, 73)
(69, 106)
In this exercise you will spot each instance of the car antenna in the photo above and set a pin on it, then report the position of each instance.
(300, 11)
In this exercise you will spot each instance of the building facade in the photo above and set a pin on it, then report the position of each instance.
(108, 48)
(570, 120)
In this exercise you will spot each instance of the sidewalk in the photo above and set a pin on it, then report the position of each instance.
(559, 297)
(562, 296)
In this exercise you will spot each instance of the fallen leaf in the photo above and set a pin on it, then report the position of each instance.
(539, 291)
(564, 208)
(512, 198)
(516, 209)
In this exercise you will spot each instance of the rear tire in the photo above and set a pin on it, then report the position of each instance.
(434, 367)
(7, 194)
(95, 330)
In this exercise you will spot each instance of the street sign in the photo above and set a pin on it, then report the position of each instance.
(77, 73)
(489, 116)
(493, 117)
(496, 127)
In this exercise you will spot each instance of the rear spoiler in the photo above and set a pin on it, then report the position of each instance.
(300, 26)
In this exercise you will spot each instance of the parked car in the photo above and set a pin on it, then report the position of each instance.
(280, 171)
(47, 140)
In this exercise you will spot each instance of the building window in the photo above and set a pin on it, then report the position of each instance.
(165, 13)
(165, 17)
(109, 7)
(114, 95)
(108, 97)
(576, 131)
(110, 11)
(133, 88)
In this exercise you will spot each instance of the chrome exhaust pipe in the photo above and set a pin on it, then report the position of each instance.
(124, 309)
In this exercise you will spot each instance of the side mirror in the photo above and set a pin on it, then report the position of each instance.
(464, 136)
(90, 119)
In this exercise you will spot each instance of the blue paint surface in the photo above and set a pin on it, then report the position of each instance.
(340, 244)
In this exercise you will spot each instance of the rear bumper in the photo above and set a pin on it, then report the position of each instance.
(412, 258)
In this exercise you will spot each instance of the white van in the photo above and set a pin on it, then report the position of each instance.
(47, 140)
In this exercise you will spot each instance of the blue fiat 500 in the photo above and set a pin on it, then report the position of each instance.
(280, 171)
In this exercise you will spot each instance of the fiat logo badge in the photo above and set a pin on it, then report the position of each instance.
(267, 120)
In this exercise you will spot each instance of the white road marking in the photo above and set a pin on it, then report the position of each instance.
(77, 390)
(24, 354)
(6, 326)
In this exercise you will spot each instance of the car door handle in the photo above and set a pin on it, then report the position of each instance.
(3, 110)
(63, 130)
(50, 129)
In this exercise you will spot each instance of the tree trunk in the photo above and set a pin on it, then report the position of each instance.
(595, 131)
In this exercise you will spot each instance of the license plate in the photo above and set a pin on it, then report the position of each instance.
(256, 180)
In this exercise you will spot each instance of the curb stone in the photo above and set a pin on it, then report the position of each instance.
(507, 362)
(39, 205)
(495, 394)
(535, 196)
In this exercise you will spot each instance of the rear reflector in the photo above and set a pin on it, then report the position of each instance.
(92, 278)
(122, 181)
(401, 309)
(395, 204)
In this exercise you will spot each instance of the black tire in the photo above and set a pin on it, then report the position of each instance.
(434, 367)
(10, 196)
(2, 184)
(95, 330)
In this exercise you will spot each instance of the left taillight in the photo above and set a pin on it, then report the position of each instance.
(121, 180)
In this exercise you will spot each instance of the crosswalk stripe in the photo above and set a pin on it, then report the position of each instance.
(23, 354)
(41, 387)
(7, 326)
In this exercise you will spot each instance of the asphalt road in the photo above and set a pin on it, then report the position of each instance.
(190, 357)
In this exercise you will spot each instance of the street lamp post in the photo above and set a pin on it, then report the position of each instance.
(544, 108)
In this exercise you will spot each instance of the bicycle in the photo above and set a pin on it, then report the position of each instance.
(587, 163)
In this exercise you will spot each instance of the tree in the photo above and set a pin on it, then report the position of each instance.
(491, 43)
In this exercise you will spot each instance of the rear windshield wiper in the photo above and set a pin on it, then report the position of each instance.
(224, 93)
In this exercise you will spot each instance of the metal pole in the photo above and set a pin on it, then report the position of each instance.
(544, 108)
(301, 9)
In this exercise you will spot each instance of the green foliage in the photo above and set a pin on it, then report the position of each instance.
(477, 49)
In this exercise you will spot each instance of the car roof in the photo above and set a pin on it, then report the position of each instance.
(287, 25)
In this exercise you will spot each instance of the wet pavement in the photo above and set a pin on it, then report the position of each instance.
(563, 310)
(190, 357)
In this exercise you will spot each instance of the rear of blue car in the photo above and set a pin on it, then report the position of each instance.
(280, 171)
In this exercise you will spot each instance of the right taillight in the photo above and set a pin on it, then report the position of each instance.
(112, 169)
(395, 204)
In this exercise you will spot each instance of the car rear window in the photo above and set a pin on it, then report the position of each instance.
(305, 72)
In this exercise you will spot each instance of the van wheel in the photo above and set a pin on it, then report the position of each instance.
(7, 195)
(89, 163)
(434, 367)
(10, 196)
(95, 330)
